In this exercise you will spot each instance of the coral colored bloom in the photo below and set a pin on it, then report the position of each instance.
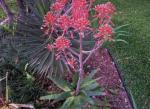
(50, 47)
(49, 19)
(64, 22)
(62, 43)
(81, 24)
(80, 13)
(62, 1)
(79, 9)
(105, 10)
(104, 31)
(59, 5)
(79, 4)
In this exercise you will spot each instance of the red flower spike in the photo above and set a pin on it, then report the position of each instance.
(62, 43)
(49, 19)
(105, 10)
(62, 1)
(59, 5)
(112, 8)
(80, 13)
(79, 9)
(81, 24)
(104, 31)
(64, 22)
(79, 3)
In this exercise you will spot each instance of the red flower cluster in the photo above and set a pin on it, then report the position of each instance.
(104, 11)
(78, 19)
(104, 31)
(48, 22)
(59, 5)
(62, 43)
(64, 22)
(81, 24)
(49, 19)
(78, 4)
(80, 15)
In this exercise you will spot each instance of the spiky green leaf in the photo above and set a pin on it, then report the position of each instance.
(62, 84)
(67, 104)
(60, 96)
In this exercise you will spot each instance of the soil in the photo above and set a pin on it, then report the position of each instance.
(110, 79)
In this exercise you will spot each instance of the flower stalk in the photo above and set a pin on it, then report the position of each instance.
(73, 21)
(81, 71)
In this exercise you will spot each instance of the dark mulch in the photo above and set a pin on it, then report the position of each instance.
(110, 80)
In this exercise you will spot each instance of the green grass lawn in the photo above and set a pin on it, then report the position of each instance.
(134, 58)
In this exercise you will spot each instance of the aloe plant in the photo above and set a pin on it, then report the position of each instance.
(89, 89)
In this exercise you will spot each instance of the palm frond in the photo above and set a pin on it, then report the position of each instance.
(28, 44)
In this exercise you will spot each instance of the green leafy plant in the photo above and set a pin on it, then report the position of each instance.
(89, 89)
(23, 87)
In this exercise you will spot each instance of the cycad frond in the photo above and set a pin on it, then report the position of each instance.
(29, 44)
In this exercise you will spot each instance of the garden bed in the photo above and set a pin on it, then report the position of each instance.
(110, 79)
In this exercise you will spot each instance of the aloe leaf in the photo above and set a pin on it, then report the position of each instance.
(62, 84)
(89, 77)
(60, 96)
(89, 81)
(91, 86)
(94, 93)
(67, 103)
(74, 80)
(79, 101)
(82, 99)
